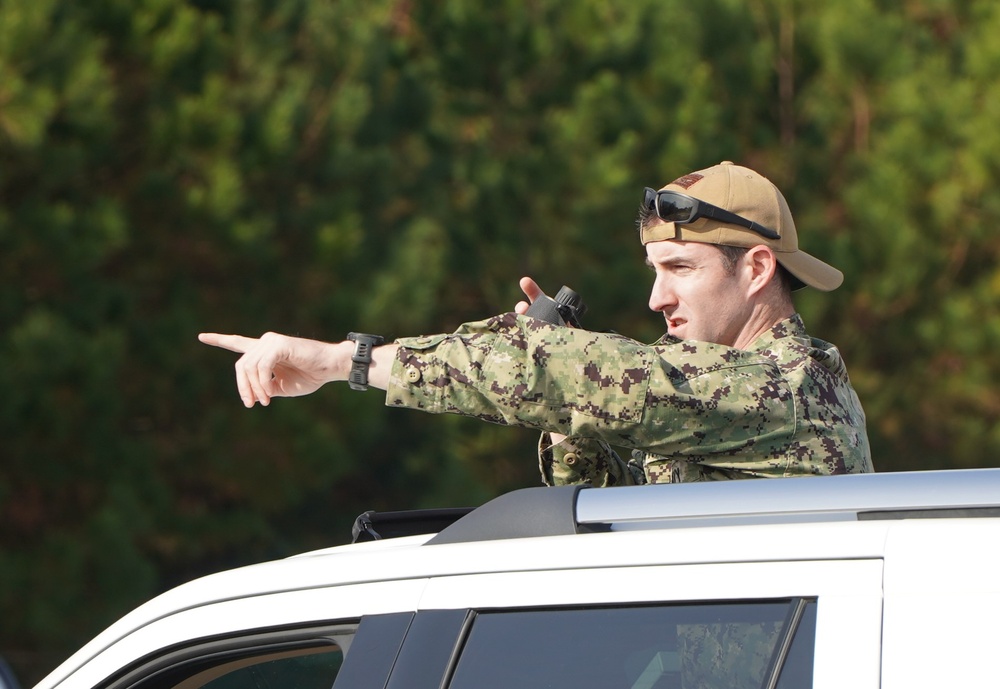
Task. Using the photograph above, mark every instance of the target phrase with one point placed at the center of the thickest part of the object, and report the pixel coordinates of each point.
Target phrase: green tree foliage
(313, 167)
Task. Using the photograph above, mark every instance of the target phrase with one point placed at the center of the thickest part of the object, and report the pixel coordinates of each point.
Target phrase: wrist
(361, 358)
(340, 367)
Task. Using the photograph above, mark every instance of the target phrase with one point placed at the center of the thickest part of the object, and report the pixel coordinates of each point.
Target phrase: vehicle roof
(571, 528)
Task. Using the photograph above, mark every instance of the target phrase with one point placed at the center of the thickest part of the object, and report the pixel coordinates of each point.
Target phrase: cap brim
(810, 270)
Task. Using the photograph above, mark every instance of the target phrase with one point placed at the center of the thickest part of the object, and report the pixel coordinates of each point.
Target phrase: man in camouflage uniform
(736, 388)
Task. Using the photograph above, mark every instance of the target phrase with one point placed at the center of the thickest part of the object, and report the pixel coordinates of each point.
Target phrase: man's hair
(731, 255)
(646, 218)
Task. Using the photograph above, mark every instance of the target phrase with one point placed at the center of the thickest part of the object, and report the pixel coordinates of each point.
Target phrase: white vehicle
(859, 581)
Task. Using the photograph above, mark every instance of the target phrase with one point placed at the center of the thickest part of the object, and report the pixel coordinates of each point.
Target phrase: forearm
(332, 361)
(339, 357)
(381, 366)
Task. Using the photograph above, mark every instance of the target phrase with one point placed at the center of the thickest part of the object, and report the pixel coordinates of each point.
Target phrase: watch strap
(364, 343)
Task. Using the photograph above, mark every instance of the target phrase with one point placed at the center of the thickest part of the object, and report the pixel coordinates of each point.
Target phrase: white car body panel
(903, 602)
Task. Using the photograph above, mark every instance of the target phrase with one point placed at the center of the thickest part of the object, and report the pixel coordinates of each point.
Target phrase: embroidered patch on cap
(687, 181)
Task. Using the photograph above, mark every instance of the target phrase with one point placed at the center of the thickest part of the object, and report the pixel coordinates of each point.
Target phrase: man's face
(698, 298)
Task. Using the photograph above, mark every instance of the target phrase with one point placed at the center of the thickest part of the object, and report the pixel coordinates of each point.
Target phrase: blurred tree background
(320, 166)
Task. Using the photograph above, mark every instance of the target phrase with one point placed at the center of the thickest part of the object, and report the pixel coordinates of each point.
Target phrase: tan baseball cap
(748, 194)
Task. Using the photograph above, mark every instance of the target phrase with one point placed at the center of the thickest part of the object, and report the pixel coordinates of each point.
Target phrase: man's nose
(661, 296)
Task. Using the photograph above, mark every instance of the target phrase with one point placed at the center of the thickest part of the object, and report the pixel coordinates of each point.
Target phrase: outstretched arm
(274, 365)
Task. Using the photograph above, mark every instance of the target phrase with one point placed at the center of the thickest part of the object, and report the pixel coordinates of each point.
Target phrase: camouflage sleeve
(584, 460)
(670, 399)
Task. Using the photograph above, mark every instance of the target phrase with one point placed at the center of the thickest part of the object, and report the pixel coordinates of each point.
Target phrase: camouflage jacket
(690, 411)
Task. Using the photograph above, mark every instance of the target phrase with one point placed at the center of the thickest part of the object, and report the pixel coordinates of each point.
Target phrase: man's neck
(763, 318)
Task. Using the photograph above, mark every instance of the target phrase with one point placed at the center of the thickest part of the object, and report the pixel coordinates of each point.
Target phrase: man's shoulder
(790, 346)
(716, 366)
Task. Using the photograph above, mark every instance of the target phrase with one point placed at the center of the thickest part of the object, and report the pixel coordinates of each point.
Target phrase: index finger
(234, 343)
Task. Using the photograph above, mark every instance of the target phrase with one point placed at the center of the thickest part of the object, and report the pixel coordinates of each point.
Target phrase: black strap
(362, 358)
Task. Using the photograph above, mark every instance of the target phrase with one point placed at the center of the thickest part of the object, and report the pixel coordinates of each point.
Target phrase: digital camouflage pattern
(726, 654)
(690, 411)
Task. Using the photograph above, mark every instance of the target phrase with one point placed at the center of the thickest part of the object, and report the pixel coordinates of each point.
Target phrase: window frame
(449, 637)
(848, 594)
(199, 655)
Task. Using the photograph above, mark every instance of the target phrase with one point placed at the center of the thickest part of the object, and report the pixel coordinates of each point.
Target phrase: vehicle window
(303, 669)
(700, 646)
(303, 658)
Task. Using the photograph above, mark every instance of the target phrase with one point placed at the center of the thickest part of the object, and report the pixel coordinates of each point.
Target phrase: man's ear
(762, 267)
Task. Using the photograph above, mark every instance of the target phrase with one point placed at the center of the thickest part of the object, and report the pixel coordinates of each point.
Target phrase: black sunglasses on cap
(671, 206)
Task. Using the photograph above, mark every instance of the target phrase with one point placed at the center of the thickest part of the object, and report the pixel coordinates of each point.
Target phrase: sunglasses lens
(674, 208)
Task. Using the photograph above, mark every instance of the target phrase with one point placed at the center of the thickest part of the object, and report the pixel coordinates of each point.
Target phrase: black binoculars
(565, 309)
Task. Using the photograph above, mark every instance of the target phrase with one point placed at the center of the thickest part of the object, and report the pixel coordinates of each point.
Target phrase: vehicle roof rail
(375, 526)
(852, 497)
(888, 495)
(522, 513)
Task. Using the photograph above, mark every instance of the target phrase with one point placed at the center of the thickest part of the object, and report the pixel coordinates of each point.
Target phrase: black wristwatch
(362, 358)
